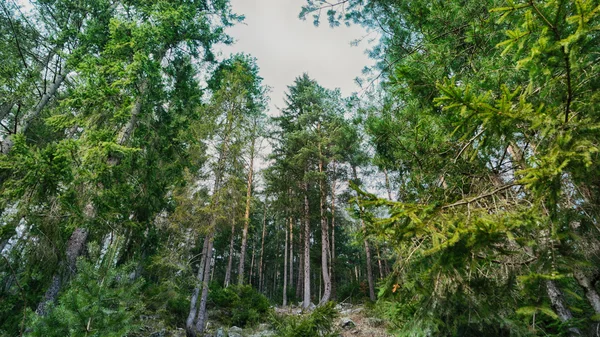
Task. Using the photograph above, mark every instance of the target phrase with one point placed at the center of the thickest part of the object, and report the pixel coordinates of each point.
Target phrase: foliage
(318, 323)
(102, 300)
(239, 305)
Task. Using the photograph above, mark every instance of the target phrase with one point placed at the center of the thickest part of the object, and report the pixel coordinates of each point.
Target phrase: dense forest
(145, 186)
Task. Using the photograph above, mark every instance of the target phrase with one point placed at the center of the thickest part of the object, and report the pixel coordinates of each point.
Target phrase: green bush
(239, 305)
(101, 301)
(317, 323)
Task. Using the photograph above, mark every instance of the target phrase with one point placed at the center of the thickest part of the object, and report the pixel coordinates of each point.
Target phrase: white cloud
(286, 46)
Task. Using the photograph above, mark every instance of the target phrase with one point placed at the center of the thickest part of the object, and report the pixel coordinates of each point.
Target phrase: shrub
(239, 305)
(101, 301)
(317, 323)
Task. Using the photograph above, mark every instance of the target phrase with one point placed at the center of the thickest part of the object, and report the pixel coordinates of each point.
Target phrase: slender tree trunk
(220, 170)
(559, 306)
(285, 266)
(324, 237)
(332, 261)
(262, 249)
(379, 264)
(252, 262)
(589, 289)
(247, 213)
(24, 122)
(78, 239)
(201, 317)
(230, 260)
(189, 323)
(306, 298)
(75, 247)
(367, 248)
(291, 265)
(300, 281)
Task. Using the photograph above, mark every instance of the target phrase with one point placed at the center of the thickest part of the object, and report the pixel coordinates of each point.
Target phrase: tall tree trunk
(366, 242)
(262, 249)
(219, 172)
(189, 323)
(332, 261)
(379, 264)
(306, 297)
(7, 143)
(285, 266)
(300, 280)
(559, 306)
(75, 247)
(247, 213)
(589, 289)
(291, 256)
(324, 237)
(230, 260)
(252, 262)
(78, 239)
(201, 317)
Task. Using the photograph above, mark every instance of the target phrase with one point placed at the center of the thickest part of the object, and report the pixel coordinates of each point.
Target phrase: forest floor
(363, 324)
(352, 321)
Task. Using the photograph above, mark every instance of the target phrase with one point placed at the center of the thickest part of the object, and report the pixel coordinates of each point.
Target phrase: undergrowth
(320, 322)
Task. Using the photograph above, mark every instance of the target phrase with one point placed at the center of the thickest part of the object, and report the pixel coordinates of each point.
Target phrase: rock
(343, 306)
(347, 323)
(356, 310)
(374, 322)
(220, 333)
(161, 333)
(235, 331)
(265, 333)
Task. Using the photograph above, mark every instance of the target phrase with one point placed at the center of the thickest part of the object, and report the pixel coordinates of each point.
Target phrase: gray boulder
(347, 323)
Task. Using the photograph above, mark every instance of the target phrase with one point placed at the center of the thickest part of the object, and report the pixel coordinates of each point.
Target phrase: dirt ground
(364, 326)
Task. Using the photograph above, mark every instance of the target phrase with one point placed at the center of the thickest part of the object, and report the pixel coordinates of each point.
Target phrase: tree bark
(291, 256)
(324, 238)
(230, 260)
(252, 262)
(332, 261)
(75, 247)
(247, 213)
(367, 248)
(306, 297)
(189, 323)
(201, 317)
(219, 171)
(588, 288)
(379, 264)
(559, 306)
(23, 124)
(285, 266)
(300, 280)
(262, 249)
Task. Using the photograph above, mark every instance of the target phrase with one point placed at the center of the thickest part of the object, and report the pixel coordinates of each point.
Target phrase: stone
(374, 322)
(236, 329)
(220, 333)
(347, 323)
(265, 333)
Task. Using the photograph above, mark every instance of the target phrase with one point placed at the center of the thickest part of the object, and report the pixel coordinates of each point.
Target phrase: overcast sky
(286, 46)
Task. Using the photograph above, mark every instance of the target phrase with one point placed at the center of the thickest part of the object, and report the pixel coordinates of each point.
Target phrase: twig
(466, 202)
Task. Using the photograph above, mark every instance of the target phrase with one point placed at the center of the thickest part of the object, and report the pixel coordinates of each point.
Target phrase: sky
(285, 47)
